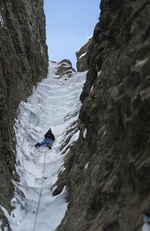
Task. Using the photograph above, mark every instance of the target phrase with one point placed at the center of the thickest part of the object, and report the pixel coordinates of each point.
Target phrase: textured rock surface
(65, 68)
(108, 171)
(82, 56)
(23, 62)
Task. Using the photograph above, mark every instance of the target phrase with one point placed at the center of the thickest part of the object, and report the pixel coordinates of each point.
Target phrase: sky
(35, 208)
(69, 23)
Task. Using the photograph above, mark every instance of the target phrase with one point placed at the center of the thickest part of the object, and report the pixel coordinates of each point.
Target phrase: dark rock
(113, 191)
(65, 68)
(82, 56)
(23, 62)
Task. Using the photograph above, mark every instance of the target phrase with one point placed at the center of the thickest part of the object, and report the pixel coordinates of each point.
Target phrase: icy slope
(54, 103)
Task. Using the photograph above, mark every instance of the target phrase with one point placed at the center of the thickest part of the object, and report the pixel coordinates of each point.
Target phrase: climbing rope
(37, 211)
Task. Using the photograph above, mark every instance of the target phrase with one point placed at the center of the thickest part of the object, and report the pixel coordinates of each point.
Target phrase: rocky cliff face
(23, 62)
(107, 171)
(65, 68)
(82, 56)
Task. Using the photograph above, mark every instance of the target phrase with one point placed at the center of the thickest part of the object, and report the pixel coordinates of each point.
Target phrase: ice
(54, 104)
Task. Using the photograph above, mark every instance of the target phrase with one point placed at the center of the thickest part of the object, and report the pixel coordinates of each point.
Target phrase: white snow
(82, 55)
(1, 21)
(91, 89)
(54, 103)
(86, 166)
(98, 73)
(146, 225)
(84, 133)
(64, 64)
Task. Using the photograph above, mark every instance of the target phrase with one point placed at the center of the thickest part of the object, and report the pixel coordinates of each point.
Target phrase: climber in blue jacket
(49, 139)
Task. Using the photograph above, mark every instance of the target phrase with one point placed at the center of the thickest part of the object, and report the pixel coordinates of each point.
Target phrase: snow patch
(91, 89)
(104, 133)
(82, 55)
(86, 166)
(64, 64)
(84, 133)
(1, 21)
(51, 101)
(98, 73)
(146, 219)
(146, 225)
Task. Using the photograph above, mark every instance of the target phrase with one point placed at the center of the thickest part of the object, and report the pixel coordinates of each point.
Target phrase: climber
(49, 139)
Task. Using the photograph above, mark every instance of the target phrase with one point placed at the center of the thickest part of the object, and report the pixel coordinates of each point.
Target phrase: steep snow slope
(54, 103)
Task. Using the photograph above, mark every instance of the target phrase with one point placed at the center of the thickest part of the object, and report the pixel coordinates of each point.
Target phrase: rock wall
(23, 62)
(107, 171)
(82, 56)
(65, 68)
